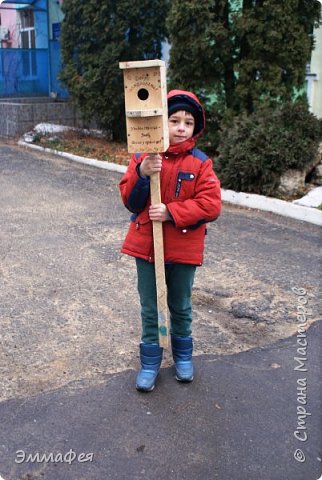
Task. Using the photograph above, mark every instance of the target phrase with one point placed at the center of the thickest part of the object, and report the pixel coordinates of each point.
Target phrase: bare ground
(68, 302)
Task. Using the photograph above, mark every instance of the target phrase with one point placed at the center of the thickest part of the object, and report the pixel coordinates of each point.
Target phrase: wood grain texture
(163, 320)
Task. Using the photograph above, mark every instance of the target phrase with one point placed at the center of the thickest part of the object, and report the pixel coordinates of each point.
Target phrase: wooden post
(147, 131)
(163, 322)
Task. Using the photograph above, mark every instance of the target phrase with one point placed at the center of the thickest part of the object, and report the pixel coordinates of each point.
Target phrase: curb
(274, 205)
(249, 200)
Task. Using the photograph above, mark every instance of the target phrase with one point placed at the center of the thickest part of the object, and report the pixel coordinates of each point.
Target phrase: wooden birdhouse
(146, 106)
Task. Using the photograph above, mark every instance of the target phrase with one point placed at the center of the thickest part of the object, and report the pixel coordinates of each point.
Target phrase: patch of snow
(29, 137)
(51, 128)
(311, 199)
(46, 128)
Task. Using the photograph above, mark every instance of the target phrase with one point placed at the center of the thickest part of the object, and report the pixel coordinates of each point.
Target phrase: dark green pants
(179, 280)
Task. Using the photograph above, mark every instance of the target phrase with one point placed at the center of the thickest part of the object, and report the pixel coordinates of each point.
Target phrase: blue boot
(182, 355)
(151, 358)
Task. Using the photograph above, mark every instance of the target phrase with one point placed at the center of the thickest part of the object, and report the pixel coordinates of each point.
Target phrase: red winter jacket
(190, 190)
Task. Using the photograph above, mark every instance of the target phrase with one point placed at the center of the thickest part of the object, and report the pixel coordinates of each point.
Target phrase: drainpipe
(49, 52)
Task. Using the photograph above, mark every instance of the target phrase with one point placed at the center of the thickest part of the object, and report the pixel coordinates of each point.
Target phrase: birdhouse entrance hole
(143, 94)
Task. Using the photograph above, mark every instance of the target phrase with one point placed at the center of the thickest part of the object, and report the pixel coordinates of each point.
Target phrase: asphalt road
(70, 328)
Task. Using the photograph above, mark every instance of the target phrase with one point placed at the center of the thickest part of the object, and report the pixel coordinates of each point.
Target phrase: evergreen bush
(255, 150)
(96, 36)
(244, 53)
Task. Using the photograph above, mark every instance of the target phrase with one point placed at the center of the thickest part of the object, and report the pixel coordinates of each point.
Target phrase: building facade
(314, 76)
(30, 48)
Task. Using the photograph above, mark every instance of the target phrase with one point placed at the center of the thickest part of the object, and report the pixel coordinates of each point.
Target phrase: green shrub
(256, 149)
(210, 138)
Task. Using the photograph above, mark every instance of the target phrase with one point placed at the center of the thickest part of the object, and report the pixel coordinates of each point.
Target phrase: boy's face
(181, 126)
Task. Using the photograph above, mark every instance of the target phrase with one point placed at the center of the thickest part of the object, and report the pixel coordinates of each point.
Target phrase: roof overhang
(14, 5)
(21, 2)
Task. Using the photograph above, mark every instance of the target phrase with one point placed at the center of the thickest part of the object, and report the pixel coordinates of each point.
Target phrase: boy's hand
(150, 165)
(159, 213)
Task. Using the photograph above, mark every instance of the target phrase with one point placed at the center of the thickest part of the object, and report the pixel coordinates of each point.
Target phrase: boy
(190, 194)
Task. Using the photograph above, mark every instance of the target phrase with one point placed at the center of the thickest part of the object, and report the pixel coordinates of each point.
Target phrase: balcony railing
(23, 71)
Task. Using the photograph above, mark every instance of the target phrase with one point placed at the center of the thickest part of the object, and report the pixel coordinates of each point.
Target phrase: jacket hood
(184, 100)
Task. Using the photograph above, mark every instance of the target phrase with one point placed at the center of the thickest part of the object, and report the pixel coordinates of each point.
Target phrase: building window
(28, 42)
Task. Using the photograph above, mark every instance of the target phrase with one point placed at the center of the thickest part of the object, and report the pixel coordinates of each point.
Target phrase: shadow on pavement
(235, 421)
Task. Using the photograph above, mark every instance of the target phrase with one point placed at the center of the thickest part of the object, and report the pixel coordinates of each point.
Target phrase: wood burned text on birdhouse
(146, 106)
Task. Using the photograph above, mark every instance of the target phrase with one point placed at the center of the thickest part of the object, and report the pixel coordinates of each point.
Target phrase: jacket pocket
(143, 221)
(182, 178)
